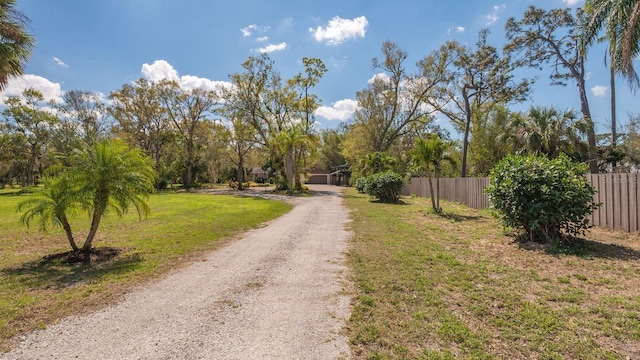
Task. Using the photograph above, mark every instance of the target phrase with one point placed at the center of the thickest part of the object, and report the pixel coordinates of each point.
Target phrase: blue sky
(99, 45)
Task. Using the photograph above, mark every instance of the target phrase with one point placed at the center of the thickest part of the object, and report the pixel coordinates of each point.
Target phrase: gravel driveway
(275, 293)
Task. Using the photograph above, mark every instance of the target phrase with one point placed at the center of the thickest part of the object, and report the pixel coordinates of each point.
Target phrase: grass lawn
(37, 288)
(456, 287)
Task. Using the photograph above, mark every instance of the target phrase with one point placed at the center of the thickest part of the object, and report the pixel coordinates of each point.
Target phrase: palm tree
(15, 43)
(620, 20)
(50, 205)
(290, 141)
(111, 176)
(429, 156)
(548, 131)
(106, 176)
(376, 162)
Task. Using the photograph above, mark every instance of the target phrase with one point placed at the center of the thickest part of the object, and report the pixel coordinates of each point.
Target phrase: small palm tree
(15, 44)
(106, 176)
(429, 155)
(111, 176)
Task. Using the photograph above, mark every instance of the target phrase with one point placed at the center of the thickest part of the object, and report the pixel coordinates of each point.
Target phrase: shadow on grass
(582, 248)
(68, 269)
(451, 216)
(458, 217)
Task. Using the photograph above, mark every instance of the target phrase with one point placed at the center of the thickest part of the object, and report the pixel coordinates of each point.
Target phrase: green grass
(456, 287)
(180, 227)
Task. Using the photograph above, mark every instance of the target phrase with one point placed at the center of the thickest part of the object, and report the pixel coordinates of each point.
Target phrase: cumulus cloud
(16, 85)
(378, 77)
(338, 30)
(161, 70)
(494, 15)
(250, 29)
(273, 47)
(190, 82)
(60, 62)
(599, 90)
(262, 38)
(340, 110)
(458, 29)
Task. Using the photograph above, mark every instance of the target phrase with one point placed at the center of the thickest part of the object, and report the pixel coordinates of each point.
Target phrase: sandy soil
(275, 293)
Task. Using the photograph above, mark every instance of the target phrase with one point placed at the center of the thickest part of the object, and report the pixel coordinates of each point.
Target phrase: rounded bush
(384, 186)
(546, 198)
(359, 184)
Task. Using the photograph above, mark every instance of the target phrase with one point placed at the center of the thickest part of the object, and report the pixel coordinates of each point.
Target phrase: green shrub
(359, 184)
(548, 199)
(384, 186)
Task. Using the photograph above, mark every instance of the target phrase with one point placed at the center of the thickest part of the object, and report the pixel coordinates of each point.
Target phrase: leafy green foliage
(359, 184)
(384, 186)
(547, 198)
(108, 176)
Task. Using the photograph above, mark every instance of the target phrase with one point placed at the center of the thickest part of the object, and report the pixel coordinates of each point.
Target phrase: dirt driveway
(275, 293)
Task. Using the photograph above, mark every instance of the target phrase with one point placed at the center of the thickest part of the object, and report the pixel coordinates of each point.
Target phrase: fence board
(623, 223)
(618, 193)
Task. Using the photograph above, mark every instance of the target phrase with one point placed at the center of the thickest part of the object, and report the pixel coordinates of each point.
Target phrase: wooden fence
(619, 195)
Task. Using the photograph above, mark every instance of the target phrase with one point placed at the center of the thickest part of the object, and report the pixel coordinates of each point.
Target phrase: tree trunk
(614, 135)
(67, 229)
(95, 222)
(591, 134)
(31, 166)
(439, 210)
(289, 169)
(433, 195)
(465, 140)
(188, 178)
(240, 172)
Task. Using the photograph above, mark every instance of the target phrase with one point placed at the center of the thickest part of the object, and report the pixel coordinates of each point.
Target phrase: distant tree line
(264, 121)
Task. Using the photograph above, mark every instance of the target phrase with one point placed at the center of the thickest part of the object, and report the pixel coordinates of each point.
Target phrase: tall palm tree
(15, 42)
(429, 156)
(620, 20)
(290, 141)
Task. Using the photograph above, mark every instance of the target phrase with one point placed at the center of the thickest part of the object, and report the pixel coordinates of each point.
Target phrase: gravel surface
(275, 293)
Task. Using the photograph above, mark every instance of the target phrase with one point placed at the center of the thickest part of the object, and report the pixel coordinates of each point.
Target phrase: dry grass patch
(455, 286)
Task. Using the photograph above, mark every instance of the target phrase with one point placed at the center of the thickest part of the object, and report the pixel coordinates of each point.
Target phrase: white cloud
(262, 38)
(161, 69)
(16, 85)
(599, 90)
(588, 75)
(273, 47)
(494, 15)
(339, 110)
(459, 29)
(379, 76)
(60, 62)
(339, 30)
(571, 2)
(249, 30)
(190, 82)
